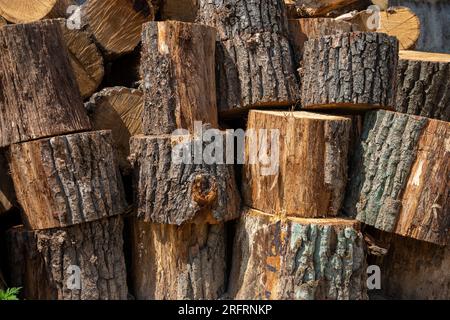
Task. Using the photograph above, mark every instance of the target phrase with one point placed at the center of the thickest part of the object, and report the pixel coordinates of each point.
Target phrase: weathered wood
(402, 23)
(171, 262)
(307, 173)
(181, 10)
(171, 191)
(120, 110)
(7, 195)
(116, 24)
(67, 180)
(349, 71)
(301, 30)
(23, 11)
(398, 182)
(321, 8)
(39, 96)
(44, 262)
(414, 269)
(296, 258)
(85, 58)
(178, 72)
(424, 84)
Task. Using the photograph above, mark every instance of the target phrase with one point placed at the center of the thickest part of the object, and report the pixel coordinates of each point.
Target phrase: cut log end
(402, 23)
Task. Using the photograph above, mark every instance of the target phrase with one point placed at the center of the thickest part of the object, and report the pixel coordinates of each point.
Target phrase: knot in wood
(204, 190)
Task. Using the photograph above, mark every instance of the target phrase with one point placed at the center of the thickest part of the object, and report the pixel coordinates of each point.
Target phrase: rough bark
(120, 110)
(304, 259)
(178, 72)
(116, 24)
(85, 58)
(181, 10)
(171, 262)
(174, 186)
(40, 97)
(42, 262)
(301, 30)
(320, 8)
(397, 182)
(402, 23)
(309, 156)
(349, 71)
(7, 195)
(424, 84)
(255, 71)
(235, 18)
(24, 11)
(67, 180)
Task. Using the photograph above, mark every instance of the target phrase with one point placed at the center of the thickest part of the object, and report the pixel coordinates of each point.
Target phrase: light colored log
(25, 11)
(402, 23)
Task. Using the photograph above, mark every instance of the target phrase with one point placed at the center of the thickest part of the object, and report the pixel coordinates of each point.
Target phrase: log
(85, 58)
(180, 10)
(44, 262)
(310, 157)
(297, 259)
(291, 9)
(397, 182)
(178, 72)
(120, 110)
(414, 270)
(67, 180)
(178, 263)
(322, 8)
(402, 23)
(25, 11)
(39, 96)
(351, 71)
(116, 25)
(7, 195)
(424, 84)
(301, 30)
(176, 192)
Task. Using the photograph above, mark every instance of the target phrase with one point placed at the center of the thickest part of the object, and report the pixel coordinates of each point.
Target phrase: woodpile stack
(221, 149)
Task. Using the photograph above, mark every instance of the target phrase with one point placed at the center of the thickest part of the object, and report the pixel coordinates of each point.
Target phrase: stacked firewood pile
(345, 161)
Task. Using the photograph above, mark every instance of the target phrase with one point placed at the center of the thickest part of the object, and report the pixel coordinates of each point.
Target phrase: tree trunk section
(43, 262)
(178, 72)
(309, 156)
(67, 180)
(184, 188)
(178, 263)
(7, 195)
(402, 23)
(322, 8)
(40, 97)
(397, 182)
(180, 10)
(297, 259)
(116, 24)
(349, 71)
(25, 11)
(120, 110)
(424, 84)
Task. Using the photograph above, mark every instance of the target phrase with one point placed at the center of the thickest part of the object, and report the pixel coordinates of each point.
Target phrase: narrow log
(301, 259)
(7, 195)
(424, 84)
(171, 262)
(332, 8)
(179, 81)
(85, 58)
(39, 96)
(24, 11)
(309, 156)
(174, 186)
(67, 180)
(116, 24)
(397, 182)
(402, 23)
(349, 71)
(46, 263)
(120, 110)
(180, 10)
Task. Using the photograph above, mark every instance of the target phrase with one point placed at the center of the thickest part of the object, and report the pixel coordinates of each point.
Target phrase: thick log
(174, 190)
(397, 182)
(116, 24)
(67, 180)
(178, 72)
(24, 11)
(304, 259)
(322, 8)
(349, 71)
(402, 23)
(301, 30)
(85, 58)
(414, 270)
(309, 156)
(46, 263)
(120, 110)
(7, 195)
(40, 97)
(180, 10)
(424, 84)
(171, 262)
